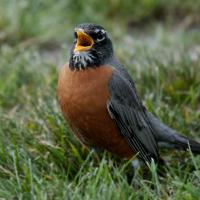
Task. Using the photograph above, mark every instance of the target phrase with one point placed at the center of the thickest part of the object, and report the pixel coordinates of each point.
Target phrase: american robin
(99, 100)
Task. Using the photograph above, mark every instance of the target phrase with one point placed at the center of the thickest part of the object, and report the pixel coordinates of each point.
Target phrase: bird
(99, 101)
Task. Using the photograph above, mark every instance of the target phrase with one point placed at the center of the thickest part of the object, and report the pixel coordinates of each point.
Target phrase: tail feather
(194, 146)
(169, 138)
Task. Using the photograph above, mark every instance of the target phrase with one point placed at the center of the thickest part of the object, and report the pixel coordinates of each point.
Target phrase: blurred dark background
(48, 21)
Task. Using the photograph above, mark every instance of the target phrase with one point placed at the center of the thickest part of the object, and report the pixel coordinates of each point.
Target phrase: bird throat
(82, 60)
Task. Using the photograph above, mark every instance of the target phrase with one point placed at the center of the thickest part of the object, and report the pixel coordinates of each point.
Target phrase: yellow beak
(84, 41)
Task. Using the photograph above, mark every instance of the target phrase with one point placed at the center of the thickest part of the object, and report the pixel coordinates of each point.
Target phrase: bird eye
(100, 36)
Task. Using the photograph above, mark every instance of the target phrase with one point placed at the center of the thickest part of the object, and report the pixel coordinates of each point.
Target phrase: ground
(39, 156)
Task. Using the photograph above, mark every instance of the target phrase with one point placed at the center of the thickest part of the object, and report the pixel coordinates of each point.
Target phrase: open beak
(84, 41)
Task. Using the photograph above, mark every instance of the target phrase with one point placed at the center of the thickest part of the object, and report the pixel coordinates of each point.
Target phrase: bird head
(91, 48)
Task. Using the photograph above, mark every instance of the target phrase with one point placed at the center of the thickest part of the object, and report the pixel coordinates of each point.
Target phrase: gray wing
(131, 117)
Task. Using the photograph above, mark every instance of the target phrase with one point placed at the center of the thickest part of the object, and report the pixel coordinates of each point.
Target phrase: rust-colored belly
(83, 96)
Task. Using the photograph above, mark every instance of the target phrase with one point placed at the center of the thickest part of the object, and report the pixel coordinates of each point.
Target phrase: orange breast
(83, 96)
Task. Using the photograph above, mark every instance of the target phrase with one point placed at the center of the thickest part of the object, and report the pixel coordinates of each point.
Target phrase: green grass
(39, 156)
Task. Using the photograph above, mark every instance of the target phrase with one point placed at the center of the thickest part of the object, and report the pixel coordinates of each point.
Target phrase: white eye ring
(102, 34)
(100, 39)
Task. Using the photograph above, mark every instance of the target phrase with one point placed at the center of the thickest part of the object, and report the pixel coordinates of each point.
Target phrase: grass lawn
(39, 156)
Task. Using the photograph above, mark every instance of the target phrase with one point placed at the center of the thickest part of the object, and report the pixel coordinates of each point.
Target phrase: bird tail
(169, 138)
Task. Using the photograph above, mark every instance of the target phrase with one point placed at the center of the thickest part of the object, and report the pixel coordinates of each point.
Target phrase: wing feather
(130, 115)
